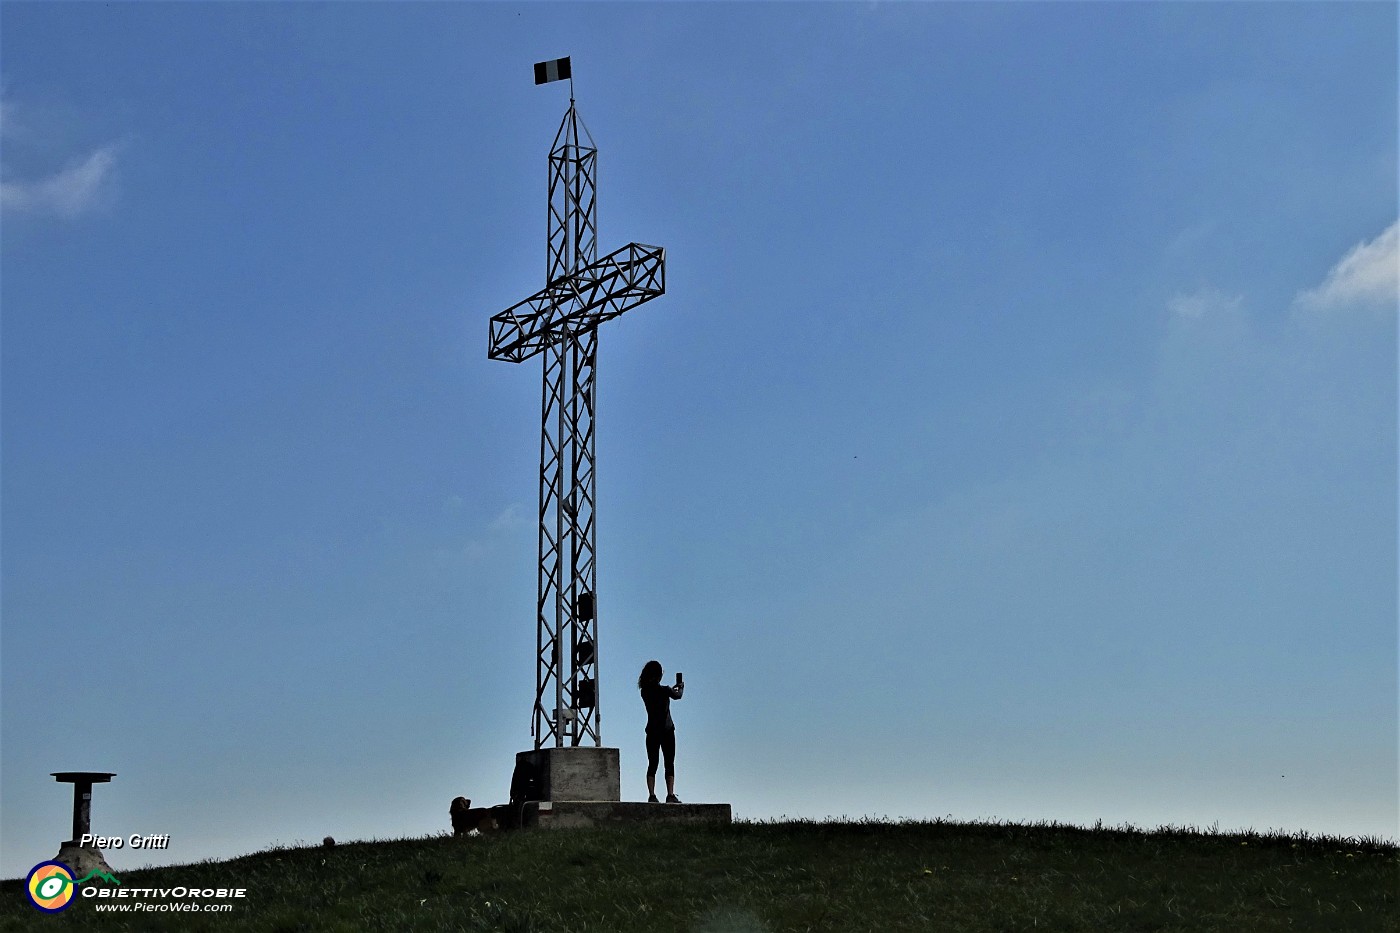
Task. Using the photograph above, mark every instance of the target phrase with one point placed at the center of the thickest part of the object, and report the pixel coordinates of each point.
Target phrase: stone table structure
(82, 859)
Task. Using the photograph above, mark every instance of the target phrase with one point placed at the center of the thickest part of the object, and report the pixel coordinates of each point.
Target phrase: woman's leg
(668, 748)
(653, 748)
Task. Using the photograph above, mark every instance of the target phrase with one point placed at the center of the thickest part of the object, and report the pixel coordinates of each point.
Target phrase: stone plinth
(574, 773)
(581, 814)
(82, 860)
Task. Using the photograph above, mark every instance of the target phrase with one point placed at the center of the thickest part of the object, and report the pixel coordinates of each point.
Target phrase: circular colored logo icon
(50, 886)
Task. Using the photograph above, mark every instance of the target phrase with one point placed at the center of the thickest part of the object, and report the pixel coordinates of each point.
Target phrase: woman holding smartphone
(661, 731)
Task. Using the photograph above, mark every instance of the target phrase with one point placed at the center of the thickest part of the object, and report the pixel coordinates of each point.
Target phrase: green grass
(784, 876)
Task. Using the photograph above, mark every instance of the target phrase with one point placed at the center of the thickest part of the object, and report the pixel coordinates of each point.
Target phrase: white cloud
(85, 183)
(508, 520)
(68, 193)
(1205, 301)
(1368, 276)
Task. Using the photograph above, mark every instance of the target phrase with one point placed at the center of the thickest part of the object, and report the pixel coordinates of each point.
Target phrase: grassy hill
(776, 877)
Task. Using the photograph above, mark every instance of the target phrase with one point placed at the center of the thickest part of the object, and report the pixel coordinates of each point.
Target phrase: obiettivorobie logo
(50, 885)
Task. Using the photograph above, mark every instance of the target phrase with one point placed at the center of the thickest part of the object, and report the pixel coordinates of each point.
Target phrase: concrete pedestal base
(580, 814)
(82, 860)
(574, 773)
(579, 787)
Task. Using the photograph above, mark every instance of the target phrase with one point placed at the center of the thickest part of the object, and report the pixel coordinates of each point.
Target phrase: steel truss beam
(579, 301)
(560, 322)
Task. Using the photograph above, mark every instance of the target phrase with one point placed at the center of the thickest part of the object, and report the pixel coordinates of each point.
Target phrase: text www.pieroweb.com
(186, 900)
(184, 908)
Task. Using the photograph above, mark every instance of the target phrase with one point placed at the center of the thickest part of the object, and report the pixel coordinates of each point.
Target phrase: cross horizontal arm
(578, 302)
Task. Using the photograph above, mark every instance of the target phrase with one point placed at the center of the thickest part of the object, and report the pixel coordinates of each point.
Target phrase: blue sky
(1016, 439)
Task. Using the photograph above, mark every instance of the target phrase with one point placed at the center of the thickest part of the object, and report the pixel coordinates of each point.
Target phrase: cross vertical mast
(560, 322)
(568, 655)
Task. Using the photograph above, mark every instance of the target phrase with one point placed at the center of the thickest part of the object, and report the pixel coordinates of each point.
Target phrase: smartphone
(680, 678)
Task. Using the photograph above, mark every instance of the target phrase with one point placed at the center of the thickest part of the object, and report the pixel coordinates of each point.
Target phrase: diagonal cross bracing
(560, 323)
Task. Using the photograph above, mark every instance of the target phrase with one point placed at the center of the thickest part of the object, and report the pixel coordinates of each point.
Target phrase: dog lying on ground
(466, 818)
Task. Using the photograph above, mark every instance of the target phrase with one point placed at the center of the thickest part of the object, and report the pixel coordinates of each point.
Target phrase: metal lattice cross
(561, 322)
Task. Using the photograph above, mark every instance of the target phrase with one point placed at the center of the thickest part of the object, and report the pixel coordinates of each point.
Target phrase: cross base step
(582, 814)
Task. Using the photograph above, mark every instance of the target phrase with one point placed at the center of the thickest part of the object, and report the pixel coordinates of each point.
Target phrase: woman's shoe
(672, 798)
(652, 799)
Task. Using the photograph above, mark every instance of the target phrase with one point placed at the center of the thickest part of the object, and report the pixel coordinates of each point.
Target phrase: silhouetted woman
(661, 731)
